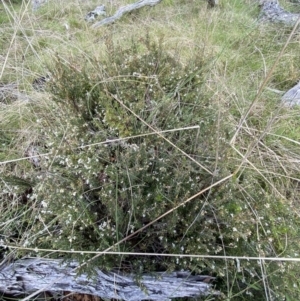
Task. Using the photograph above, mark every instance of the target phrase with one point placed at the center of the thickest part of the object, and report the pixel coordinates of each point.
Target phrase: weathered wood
(272, 11)
(30, 275)
(98, 11)
(11, 92)
(292, 97)
(126, 9)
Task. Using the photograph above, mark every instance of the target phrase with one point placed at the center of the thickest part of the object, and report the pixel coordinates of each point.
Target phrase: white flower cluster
(107, 228)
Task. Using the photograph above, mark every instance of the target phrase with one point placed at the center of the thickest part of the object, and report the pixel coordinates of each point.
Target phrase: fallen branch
(292, 97)
(29, 275)
(272, 11)
(126, 9)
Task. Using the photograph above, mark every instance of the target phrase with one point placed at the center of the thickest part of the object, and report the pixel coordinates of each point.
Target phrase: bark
(126, 9)
(30, 275)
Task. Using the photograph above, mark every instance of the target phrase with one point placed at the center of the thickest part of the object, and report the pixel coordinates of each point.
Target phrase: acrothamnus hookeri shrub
(107, 172)
(113, 187)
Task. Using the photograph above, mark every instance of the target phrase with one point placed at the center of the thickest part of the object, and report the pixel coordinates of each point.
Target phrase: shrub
(112, 189)
(104, 177)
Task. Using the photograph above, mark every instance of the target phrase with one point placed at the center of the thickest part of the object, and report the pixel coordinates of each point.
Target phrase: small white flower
(44, 204)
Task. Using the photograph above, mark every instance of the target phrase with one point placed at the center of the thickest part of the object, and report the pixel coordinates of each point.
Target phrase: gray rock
(213, 3)
(37, 3)
(39, 83)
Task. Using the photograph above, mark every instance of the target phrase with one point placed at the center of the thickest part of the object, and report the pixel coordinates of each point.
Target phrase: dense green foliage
(114, 188)
(132, 132)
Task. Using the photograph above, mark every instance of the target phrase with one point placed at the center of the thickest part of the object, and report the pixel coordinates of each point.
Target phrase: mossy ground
(172, 66)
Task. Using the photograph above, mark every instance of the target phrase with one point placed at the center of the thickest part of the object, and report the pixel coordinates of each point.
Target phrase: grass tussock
(158, 117)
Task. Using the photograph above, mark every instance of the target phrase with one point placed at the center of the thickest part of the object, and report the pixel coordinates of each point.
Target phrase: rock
(213, 3)
(39, 83)
(37, 3)
(33, 155)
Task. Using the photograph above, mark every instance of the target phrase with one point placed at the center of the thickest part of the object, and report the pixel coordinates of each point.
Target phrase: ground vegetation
(163, 133)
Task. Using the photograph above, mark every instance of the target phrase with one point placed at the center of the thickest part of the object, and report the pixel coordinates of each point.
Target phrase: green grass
(171, 66)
